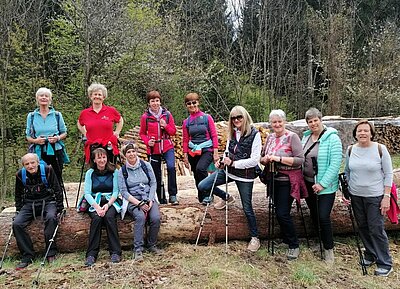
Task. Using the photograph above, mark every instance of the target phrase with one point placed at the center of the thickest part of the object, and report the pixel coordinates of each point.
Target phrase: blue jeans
(245, 191)
(155, 161)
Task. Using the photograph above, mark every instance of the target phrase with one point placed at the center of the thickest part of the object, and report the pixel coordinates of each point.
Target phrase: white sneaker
(329, 256)
(222, 203)
(254, 244)
(293, 254)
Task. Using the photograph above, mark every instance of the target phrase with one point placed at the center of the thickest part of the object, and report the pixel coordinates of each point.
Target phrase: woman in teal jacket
(323, 155)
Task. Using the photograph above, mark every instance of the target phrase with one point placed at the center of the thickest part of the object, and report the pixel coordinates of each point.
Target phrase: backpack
(32, 128)
(42, 175)
(379, 150)
(167, 115)
(125, 173)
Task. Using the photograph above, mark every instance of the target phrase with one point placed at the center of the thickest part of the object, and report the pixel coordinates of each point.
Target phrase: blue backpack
(42, 167)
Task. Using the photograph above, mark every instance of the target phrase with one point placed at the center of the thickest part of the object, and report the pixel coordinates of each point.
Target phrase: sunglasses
(194, 102)
(238, 117)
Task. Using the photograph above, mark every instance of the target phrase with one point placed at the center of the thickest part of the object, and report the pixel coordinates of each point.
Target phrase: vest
(198, 129)
(102, 183)
(240, 150)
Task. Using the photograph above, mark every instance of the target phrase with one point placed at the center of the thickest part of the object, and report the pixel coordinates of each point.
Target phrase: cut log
(182, 223)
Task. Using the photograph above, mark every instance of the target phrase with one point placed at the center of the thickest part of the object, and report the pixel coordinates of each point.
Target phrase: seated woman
(138, 187)
(101, 192)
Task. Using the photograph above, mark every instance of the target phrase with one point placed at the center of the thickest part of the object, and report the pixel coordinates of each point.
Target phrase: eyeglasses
(194, 102)
(238, 117)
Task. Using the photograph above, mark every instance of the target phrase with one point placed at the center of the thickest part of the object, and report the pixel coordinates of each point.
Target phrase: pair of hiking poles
(208, 204)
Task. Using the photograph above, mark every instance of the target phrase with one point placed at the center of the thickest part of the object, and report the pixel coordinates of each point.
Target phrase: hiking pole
(80, 181)
(61, 180)
(161, 196)
(205, 212)
(6, 247)
(271, 210)
(303, 221)
(346, 194)
(51, 241)
(315, 168)
(226, 205)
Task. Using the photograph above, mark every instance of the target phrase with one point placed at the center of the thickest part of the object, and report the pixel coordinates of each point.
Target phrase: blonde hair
(246, 122)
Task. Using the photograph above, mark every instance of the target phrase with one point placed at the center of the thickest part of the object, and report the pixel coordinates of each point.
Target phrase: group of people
(295, 169)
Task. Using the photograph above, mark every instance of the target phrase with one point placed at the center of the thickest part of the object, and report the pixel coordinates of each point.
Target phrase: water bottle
(109, 146)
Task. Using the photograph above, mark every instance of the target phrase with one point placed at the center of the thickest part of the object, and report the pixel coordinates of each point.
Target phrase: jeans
(140, 219)
(283, 205)
(325, 204)
(110, 222)
(24, 218)
(372, 230)
(199, 165)
(245, 191)
(156, 161)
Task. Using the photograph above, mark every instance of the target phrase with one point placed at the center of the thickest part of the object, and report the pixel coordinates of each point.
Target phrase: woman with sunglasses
(200, 142)
(242, 155)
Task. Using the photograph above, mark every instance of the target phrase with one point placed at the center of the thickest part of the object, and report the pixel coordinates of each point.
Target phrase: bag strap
(42, 175)
(313, 145)
(145, 170)
(125, 173)
(379, 150)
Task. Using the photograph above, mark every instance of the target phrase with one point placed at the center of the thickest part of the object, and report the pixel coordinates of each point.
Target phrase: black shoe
(163, 201)
(90, 260)
(173, 200)
(115, 258)
(22, 265)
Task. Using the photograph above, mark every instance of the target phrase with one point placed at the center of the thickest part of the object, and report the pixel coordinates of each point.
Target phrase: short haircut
(46, 91)
(95, 87)
(192, 96)
(364, 121)
(29, 155)
(277, 112)
(313, 113)
(152, 95)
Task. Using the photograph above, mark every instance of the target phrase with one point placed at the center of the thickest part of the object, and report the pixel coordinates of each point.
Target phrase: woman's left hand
(385, 205)
(53, 139)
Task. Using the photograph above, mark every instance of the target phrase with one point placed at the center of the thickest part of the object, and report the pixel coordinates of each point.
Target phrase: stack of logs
(222, 129)
(388, 135)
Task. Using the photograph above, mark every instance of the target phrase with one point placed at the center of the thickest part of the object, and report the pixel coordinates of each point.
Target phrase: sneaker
(254, 244)
(221, 203)
(115, 258)
(90, 260)
(293, 254)
(207, 200)
(367, 263)
(383, 272)
(22, 265)
(173, 200)
(51, 259)
(155, 250)
(329, 256)
(138, 256)
(163, 202)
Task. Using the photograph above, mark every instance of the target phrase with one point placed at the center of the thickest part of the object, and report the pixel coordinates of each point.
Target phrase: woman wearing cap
(96, 123)
(321, 144)
(200, 142)
(137, 185)
(45, 131)
(156, 128)
(242, 152)
(369, 173)
(101, 193)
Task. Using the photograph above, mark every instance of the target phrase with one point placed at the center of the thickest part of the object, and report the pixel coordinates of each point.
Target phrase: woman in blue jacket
(322, 144)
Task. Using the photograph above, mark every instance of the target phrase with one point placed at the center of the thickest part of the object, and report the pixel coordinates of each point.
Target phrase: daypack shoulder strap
(42, 175)
(144, 168)
(379, 150)
(125, 174)
(31, 127)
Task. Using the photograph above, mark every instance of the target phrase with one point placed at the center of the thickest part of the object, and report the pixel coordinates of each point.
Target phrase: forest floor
(183, 265)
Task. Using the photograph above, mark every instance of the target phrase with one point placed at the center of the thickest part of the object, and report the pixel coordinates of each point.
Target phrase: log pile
(389, 135)
(222, 128)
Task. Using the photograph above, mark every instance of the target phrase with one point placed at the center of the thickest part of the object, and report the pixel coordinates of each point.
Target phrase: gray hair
(95, 87)
(45, 91)
(277, 112)
(29, 155)
(313, 113)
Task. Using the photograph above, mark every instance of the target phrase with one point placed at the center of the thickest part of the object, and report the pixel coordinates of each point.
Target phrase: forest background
(341, 56)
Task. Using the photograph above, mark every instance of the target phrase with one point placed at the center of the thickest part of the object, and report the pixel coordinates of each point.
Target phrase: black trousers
(199, 165)
(110, 222)
(25, 217)
(57, 163)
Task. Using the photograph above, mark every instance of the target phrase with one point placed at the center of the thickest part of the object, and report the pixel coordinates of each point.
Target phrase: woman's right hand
(41, 140)
(185, 161)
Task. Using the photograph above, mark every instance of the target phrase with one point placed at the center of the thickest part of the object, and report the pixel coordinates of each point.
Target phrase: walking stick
(205, 212)
(62, 181)
(271, 210)
(80, 181)
(51, 241)
(226, 205)
(346, 194)
(6, 247)
(162, 198)
(315, 168)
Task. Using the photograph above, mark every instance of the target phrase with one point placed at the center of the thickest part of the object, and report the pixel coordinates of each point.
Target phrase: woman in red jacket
(156, 128)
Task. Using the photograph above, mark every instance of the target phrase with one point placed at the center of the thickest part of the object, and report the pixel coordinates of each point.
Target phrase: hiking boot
(293, 254)
(155, 250)
(163, 202)
(22, 265)
(207, 200)
(115, 258)
(367, 263)
(254, 244)
(173, 200)
(90, 260)
(51, 259)
(329, 256)
(383, 272)
(221, 203)
(138, 256)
